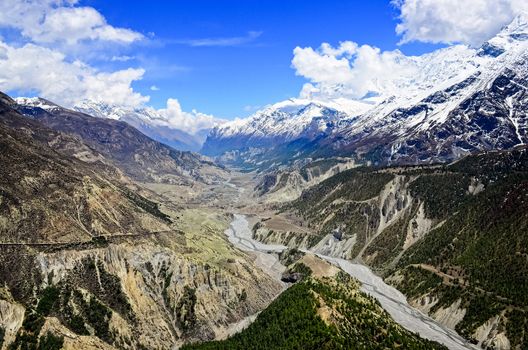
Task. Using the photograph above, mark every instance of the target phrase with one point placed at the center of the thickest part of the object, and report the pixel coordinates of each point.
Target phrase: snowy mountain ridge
(36, 102)
(149, 121)
(413, 119)
(146, 119)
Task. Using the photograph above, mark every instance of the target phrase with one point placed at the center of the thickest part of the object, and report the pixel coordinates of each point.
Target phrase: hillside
(323, 311)
(87, 261)
(47, 197)
(452, 237)
(137, 155)
(287, 184)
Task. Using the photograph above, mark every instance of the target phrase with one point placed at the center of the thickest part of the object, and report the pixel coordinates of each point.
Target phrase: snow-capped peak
(519, 25)
(511, 35)
(36, 102)
(290, 117)
(102, 110)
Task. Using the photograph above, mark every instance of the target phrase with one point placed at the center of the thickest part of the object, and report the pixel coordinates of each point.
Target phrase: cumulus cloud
(54, 21)
(37, 61)
(191, 122)
(349, 70)
(47, 72)
(453, 21)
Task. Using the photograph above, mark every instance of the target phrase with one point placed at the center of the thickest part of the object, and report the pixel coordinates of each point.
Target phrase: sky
(223, 59)
(231, 79)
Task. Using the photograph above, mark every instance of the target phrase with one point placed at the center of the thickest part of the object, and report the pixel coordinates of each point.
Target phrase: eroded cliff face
(488, 335)
(11, 317)
(155, 292)
(287, 185)
(345, 227)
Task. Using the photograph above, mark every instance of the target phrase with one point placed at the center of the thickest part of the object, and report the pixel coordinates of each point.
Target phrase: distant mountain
(278, 124)
(459, 100)
(148, 121)
(136, 154)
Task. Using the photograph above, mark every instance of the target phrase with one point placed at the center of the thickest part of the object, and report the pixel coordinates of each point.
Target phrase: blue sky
(229, 81)
(199, 60)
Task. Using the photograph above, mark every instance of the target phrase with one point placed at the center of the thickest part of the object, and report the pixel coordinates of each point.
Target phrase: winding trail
(393, 301)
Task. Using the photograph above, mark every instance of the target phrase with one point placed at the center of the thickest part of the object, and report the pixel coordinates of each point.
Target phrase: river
(393, 301)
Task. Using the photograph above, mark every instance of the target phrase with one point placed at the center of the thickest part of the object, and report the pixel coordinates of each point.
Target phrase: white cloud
(346, 48)
(47, 72)
(454, 21)
(154, 88)
(121, 58)
(38, 61)
(59, 21)
(349, 70)
(191, 122)
(231, 41)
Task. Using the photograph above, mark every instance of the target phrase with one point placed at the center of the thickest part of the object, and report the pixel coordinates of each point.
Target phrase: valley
(394, 219)
(130, 244)
(390, 299)
(240, 198)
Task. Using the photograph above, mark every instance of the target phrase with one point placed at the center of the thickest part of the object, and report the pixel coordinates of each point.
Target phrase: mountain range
(139, 156)
(149, 121)
(458, 100)
(115, 233)
(448, 103)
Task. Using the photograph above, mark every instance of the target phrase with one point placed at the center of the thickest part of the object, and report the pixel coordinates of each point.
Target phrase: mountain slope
(485, 111)
(76, 200)
(137, 155)
(452, 237)
(323, 312)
